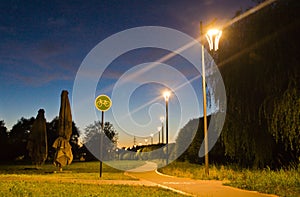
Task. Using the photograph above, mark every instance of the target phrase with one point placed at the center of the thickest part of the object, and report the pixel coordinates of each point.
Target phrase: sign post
(102, 103)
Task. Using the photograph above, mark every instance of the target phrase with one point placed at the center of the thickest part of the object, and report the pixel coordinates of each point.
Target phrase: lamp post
(151, 135)
(162, 118)
(213, 37)
(158, 129)
(167, 96)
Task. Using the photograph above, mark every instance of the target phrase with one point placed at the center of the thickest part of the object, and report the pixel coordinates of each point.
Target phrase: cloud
(37, 63)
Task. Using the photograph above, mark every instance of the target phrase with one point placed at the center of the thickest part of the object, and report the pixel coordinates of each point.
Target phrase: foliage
(92, 138)
(280, 182)
(3, 140)
(192, 133)
(283, 119)
(259, 63)
(184, 138)
(93, 129)
(18, 137)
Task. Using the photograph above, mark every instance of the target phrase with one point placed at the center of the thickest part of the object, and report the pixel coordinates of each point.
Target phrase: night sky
(43, 43)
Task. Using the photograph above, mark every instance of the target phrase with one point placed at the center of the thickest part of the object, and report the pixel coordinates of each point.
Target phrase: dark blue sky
(44, 42)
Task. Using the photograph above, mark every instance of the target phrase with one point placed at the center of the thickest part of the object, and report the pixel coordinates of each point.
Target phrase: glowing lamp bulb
(213, 37)
(167, 95)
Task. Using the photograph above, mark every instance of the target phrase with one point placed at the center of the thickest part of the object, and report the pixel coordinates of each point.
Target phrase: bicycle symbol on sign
(103, 103)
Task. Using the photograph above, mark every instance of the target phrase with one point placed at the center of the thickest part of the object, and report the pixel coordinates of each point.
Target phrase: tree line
(13, 143)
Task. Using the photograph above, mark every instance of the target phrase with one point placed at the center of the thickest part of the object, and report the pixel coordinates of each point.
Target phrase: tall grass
(281, 182)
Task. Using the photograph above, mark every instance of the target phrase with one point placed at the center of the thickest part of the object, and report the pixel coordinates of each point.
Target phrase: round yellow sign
(103, 102)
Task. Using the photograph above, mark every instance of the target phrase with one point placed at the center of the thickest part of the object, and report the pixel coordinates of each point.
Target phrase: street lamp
(162, 118)
(213, 36)
(166, 95)
(151, 135)
(159, 129)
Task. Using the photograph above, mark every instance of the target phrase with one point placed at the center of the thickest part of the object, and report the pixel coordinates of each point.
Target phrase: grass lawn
(78, 179)
(282, 182)
(44, 188)
(77, 170)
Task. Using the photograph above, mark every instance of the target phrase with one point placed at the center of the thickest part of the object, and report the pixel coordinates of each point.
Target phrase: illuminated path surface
(189, 186)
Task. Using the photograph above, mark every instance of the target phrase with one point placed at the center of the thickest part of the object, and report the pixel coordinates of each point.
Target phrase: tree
(190, 138)
(18, 138)
(3, 141)
(185, 138)
(92, 138)
(283, 123)
(260, 69)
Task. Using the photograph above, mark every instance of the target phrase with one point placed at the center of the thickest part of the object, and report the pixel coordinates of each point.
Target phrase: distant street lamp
(151, 135)
(117, 151)
(162, 118)
(159, 129)
(213, 36)
(146, 141)
(167, 96)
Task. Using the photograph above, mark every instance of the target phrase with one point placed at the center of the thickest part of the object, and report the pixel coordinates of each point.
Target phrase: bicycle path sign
(103, 102)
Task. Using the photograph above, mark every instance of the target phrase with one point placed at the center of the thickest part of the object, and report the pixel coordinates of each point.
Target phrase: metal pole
(204, 104)
(167, 130)
(152, 140)
(101, 142)
(158, 137)
(162, 132)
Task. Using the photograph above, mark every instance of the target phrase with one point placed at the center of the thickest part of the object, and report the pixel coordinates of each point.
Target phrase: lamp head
(167, 95)
(213, 32)
(213, 37)
(162, 118)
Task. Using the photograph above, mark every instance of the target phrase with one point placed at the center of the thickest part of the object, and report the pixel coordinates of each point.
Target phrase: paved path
(189, 186)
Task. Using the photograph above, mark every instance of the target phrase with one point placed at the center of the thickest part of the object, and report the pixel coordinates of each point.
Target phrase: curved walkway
(189, 186)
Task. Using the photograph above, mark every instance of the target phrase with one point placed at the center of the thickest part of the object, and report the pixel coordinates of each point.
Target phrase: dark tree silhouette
(259, 62)
(3, 141)
(18, 138)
